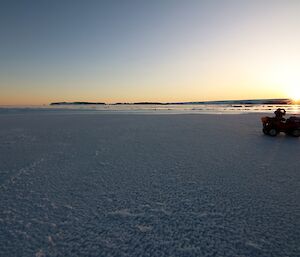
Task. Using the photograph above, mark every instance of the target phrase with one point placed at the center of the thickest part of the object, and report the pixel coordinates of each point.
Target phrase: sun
(294, 93)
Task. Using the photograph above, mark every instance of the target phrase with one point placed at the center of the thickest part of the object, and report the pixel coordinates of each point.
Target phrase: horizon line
(154, 102)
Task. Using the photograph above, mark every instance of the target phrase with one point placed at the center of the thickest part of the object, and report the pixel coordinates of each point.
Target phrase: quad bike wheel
(273, 132)
(295, 133)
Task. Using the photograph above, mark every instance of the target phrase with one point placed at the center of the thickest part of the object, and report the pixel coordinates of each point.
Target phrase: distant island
(230, 102)
(250, 102)
(76, 103)
(143, 103)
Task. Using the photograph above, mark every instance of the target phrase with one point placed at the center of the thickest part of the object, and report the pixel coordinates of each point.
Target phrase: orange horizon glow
(38, 101)
(190, 91)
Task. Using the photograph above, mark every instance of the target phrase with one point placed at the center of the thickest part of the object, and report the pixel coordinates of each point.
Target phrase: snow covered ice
(92, 184)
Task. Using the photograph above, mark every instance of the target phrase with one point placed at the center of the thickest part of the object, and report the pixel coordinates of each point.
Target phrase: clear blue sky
(151, 50)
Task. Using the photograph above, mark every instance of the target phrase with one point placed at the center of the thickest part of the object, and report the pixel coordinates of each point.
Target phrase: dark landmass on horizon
(233, 102)
(76, 103)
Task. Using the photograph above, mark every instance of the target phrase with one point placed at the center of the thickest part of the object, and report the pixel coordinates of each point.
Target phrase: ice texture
(146, 185)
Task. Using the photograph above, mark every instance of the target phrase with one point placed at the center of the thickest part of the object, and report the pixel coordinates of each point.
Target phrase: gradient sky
(155, 50)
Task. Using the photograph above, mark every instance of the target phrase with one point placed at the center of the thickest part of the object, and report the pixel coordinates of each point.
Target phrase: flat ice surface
(76, 184)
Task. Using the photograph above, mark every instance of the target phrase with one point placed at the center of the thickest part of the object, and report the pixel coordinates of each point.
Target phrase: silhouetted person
(279, 113)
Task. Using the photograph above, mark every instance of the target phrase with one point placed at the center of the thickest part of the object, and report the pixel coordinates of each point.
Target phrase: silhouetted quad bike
(272, 126)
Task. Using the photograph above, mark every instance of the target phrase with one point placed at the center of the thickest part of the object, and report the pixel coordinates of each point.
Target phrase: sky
(155, 50)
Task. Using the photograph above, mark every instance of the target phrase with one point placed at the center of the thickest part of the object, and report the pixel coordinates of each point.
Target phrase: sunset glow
(167, 51)
(294, 92)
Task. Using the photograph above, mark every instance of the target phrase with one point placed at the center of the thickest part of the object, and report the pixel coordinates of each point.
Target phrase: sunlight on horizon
(295, 93)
